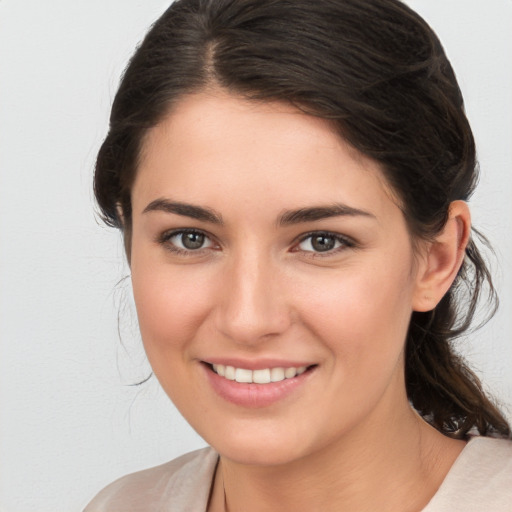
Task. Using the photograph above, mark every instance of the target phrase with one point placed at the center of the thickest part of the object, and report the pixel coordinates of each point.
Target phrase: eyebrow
(184, 209)
(314, 213)
(287, 218)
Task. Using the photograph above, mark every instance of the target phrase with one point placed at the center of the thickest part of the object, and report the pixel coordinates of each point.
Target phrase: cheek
(363, 316)
(171, 310)
(171, 307)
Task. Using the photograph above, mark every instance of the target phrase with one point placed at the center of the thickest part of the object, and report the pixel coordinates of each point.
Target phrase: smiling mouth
(263, 376)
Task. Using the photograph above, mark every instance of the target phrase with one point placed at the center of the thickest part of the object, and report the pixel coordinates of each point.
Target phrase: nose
(253, 305)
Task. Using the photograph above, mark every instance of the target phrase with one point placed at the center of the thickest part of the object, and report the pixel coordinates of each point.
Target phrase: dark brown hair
(377, 71)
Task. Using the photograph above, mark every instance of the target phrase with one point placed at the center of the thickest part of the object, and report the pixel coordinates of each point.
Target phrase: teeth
(229, 372)
(264, 376)
(276, 374)
(261, 376)
(290, 372)
(242, 375)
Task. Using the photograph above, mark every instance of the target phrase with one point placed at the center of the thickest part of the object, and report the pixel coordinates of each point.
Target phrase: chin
(261, 454)
(263, 444)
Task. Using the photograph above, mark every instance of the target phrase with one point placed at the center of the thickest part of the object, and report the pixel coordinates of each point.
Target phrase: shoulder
(480, 479)
(184, 483)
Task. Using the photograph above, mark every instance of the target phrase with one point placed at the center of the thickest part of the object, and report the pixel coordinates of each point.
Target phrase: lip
(254, 396)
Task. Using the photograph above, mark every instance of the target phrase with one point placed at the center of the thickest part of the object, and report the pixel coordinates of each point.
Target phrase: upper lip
(257, 364)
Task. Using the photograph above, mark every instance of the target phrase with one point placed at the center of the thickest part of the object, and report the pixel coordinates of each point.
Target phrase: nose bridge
(253, 306)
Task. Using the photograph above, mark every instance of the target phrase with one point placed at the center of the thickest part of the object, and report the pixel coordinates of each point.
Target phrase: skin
(347, 438)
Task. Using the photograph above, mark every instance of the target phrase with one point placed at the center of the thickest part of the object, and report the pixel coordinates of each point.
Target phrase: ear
(442, 258)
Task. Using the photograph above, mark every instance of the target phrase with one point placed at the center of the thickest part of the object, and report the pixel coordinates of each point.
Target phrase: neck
(397, 468)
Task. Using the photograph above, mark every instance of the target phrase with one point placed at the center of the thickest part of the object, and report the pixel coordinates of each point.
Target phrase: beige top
(480, 480)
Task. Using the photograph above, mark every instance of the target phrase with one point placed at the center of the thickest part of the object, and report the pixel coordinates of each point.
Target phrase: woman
(290, 179)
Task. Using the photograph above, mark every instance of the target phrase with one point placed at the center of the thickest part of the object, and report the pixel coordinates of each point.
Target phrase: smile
(263, 385)
(263, 376)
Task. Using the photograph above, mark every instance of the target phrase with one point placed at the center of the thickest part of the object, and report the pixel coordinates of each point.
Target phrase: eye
(322, 242)
(186, 240)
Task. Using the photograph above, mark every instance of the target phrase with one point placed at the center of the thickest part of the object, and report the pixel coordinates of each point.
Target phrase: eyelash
(343, 241)
(165, 240)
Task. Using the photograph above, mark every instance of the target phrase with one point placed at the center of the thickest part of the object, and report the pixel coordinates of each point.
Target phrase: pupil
(323, 243)
(192, 240)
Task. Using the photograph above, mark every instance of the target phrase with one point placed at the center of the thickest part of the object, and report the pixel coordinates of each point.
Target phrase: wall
(70, 421)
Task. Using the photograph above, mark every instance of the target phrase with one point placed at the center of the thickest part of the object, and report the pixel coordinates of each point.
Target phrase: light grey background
(70, 423)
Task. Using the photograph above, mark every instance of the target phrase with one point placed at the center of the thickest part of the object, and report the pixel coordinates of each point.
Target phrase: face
(268, 251)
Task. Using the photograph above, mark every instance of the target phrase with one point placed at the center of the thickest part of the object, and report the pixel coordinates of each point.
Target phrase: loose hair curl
(379, 74)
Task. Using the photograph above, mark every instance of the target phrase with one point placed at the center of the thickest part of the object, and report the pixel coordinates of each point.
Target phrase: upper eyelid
(164, 239)
(338, 236)
(165, 235)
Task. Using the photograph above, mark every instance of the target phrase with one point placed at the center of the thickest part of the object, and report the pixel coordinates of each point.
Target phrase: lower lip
(254, 395)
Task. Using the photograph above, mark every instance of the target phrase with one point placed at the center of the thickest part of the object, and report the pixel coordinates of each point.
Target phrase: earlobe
(443, 258)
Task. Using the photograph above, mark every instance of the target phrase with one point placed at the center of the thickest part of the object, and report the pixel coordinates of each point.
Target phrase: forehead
(214, 146)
